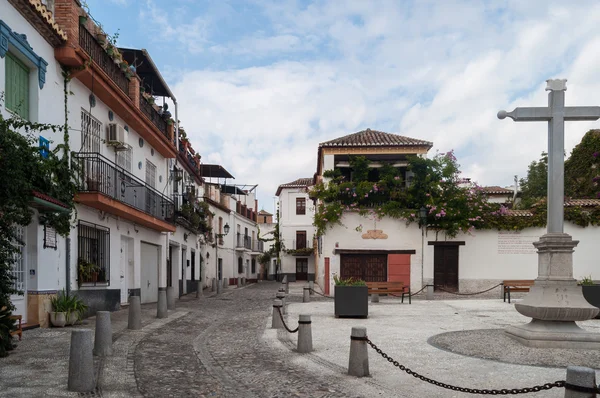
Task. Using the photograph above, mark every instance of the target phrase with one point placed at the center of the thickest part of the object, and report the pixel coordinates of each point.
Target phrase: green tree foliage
(24, 170)
(582, 169)
(534, 187)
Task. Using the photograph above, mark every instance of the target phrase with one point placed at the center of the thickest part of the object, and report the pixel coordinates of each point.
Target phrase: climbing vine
(453, 204)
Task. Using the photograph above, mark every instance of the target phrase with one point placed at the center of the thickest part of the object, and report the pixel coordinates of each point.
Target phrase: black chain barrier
(468, 294)
(283, 321)
(410, 295)
(321, 294)
(504, 391)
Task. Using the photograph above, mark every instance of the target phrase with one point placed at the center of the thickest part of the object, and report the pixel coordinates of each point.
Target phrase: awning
(44, 202)
(152, 80)
(214, 171)
(232, 189)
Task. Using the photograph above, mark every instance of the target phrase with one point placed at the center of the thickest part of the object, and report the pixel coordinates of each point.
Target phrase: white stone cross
(556, 113)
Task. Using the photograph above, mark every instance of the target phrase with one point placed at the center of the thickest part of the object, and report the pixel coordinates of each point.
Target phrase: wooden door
(399, 268)
(301, 269)
(368, 267)
(445, 267)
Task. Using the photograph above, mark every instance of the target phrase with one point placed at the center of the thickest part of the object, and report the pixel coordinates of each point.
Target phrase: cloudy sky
(261, 83)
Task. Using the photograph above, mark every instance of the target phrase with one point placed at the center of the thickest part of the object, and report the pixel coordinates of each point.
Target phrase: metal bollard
(311, 286)
(81, 361)
(429, 292)
(358, 364)
(306, 295)
(281, 296)
(276, 322)
(171, 297)
(103, 335)
(374, 298)
(581, 377)
(304, 334)
(134, 320)
(199, 291)
(162, 307)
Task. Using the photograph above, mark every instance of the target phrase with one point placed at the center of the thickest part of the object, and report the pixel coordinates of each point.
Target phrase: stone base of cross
(555, 301)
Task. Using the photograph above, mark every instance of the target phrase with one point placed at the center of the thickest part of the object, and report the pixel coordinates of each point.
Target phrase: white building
(390, 250)
(31, 84)
(297, 233)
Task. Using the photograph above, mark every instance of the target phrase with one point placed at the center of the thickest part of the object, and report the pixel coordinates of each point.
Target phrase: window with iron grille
(300, 206)
(93, 251)
(240, 265)
(90, 132)
(124, 158)
(19, 266)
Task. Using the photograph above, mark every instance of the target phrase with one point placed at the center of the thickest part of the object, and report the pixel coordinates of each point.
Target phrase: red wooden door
(399, 268)
(327, 276)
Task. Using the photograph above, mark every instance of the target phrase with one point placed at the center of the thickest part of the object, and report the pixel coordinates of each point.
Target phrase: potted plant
(351, 298)
(58, 316)
(591, 292)
(83, 18)
(75, 308)
(87, 272)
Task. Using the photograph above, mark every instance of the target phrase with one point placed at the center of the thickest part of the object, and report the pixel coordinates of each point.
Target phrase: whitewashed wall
(487, 258)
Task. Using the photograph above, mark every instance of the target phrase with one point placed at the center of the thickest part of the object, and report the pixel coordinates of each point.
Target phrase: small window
(17, 86)
(93, 248)
(300, 206)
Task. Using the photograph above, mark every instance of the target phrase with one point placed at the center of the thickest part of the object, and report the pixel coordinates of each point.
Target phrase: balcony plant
(87, 272)
(351, 298)
(591, 292)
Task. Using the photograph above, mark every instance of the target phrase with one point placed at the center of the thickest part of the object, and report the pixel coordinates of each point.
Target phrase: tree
(582, 169)
(534, 187)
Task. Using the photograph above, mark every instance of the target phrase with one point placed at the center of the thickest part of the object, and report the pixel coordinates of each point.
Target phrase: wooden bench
(389, 288)
(19, 330)
(522, 285)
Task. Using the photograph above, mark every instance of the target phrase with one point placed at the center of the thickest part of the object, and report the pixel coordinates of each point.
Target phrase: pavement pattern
(207, 347)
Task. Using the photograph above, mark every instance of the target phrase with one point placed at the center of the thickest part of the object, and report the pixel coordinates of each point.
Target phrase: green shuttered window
(17, 86)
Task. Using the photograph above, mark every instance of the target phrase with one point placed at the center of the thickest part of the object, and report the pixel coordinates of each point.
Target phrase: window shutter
(17, 86)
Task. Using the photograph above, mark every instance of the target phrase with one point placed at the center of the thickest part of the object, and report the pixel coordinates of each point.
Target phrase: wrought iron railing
(258, 245)
(302, 244)
(244, 241)
(89, 44)
(152, 114)
(98, 174)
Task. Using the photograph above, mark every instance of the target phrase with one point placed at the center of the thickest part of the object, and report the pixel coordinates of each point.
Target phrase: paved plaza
(222, 346)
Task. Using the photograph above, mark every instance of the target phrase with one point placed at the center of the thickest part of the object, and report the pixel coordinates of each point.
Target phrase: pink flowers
(596, 154)
(366, 195)
(396, 178)
(412, 215)
(347, 189)
(354, 194)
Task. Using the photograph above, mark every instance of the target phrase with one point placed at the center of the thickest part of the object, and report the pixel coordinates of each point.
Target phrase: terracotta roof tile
(370, 137)
(582, 202)
(299, 183)
(50, 199)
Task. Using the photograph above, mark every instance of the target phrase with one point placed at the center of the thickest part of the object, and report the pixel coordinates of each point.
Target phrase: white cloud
(432, 70)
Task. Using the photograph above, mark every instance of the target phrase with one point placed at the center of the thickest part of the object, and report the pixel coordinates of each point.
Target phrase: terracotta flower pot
(58, 319)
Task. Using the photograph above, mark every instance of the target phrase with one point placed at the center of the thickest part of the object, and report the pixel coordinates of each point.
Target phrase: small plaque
(49, 237)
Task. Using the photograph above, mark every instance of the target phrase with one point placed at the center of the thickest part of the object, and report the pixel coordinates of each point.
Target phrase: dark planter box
(592, 295)
(352, 301)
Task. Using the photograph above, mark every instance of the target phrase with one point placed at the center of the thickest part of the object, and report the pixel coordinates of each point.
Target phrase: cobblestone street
(208, 347)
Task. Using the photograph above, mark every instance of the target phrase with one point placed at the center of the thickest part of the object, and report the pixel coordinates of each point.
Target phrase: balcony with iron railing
(90, 45)
(258, 246)
(152, 114)
(243, 242)
(301, 247)
(105, 186)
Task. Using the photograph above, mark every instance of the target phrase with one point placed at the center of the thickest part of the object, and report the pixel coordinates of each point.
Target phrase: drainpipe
(169, 173)
(68, 268)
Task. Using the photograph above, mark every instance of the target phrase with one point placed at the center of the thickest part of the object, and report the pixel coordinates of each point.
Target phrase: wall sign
(49, 237)
(515, 242)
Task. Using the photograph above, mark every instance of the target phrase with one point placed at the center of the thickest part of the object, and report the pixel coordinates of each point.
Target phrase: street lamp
(423, 225)
(218, 237)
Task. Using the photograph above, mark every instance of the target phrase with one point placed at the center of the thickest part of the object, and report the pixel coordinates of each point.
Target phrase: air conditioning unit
(115, 134)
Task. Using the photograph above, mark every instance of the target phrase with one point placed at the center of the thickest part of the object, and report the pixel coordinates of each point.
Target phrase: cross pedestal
(555, 301)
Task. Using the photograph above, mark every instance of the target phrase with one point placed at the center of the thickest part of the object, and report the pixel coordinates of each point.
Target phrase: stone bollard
(225, 283)
(581, 377)
(429, 292)
(171, 297)
(199, 290)
(287, 288)
(103, 335)
(304, 334)
(243, 281)
(311, 285)
(81, 361)
(276, 322)
(239, 281)
(135, 313)
(281, 296)
(306, 295)
(358, 365)
(374, 298)
(214, 285)
(162, 306)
